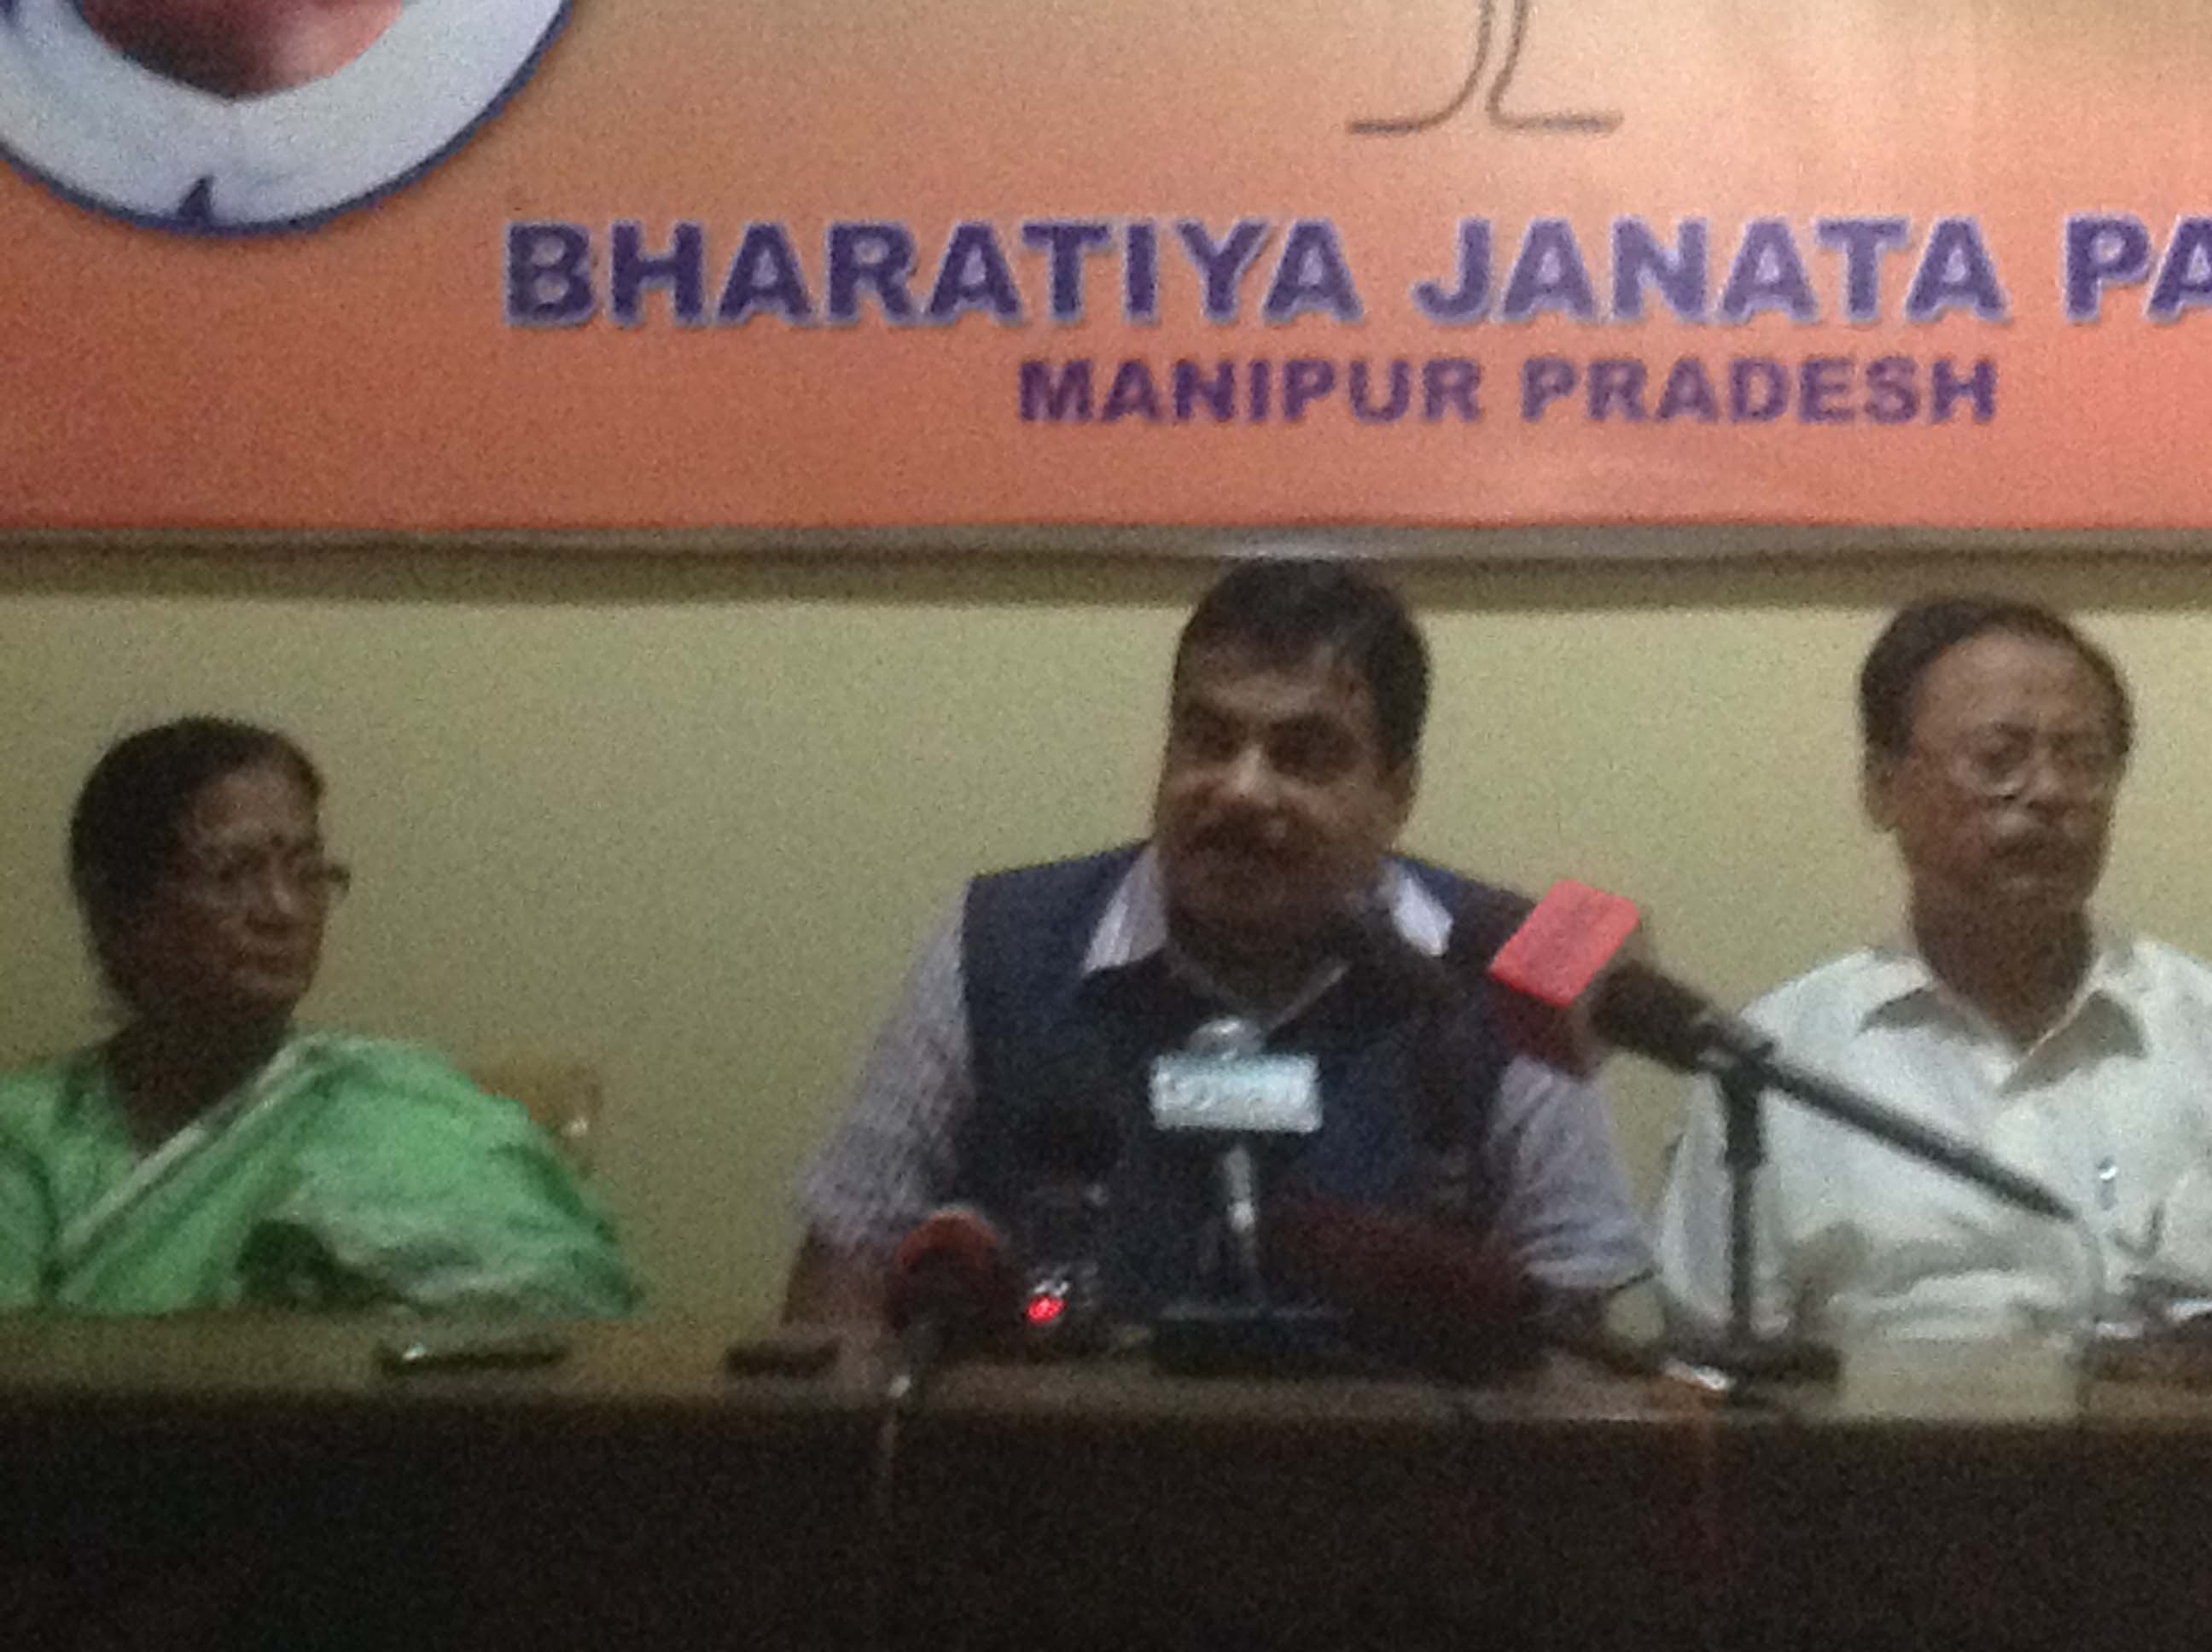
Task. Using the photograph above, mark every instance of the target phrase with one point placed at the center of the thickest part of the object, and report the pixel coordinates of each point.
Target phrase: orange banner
(459, 265)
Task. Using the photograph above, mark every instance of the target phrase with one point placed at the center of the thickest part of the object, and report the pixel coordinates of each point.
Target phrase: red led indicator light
(1044, 1308)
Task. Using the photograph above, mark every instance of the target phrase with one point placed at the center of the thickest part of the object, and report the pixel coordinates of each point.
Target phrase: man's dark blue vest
(1062, 1060)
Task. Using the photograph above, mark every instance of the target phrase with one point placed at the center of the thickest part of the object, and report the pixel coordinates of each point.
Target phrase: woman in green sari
(213, 1153)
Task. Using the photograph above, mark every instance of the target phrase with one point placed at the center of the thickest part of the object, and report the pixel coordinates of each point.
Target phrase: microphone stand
(1743, 1064)
(1234, 1325)
(1239, 1176)
(1743, 1352)
(1240, 1328)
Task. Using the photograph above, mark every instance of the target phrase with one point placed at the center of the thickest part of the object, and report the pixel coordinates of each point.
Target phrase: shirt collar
(1899, 981)
(172, 135)
(128, 96)
(1134, 925)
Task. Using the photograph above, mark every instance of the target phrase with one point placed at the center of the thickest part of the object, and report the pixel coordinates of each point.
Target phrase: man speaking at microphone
(1267, 892)
(1996, 737)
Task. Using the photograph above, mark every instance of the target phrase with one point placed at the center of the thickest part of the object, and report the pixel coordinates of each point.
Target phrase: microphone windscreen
(1545, 970)
(1078, 1139)
(1432, 1291)
(953, 1263)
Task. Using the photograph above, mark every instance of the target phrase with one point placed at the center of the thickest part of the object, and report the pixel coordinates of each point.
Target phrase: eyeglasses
(1998, 764)
(230, 882)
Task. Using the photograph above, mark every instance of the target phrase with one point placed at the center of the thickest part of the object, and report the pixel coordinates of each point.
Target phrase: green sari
(349, 1172)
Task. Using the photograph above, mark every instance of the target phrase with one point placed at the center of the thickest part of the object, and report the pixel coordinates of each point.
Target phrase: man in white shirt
(225, 116)
(1996, 739)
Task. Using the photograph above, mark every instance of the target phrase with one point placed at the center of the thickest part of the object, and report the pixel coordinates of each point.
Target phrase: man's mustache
(1240, 836)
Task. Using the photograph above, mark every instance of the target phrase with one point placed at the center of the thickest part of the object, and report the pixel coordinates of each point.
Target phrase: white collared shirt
(108, 129)
(2111, 1109)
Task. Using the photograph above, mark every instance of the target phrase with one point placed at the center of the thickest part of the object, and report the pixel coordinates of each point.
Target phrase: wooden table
(240, 1478)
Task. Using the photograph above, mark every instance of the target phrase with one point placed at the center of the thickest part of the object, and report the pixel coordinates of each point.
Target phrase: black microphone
(1483, 919)
(949, 1279)
(1079, 1136)
(1366, 936)
(1433, 993)
(1562, 970)
(1545, 973)
(1069, 1151)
